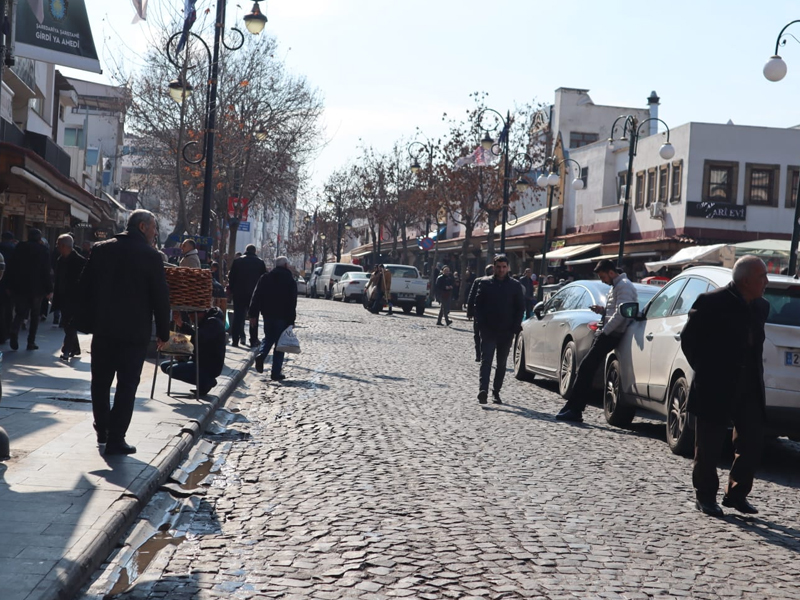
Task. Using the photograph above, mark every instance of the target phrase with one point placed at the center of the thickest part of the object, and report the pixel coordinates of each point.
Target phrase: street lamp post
(339, 216)
(416, 168)
(489, 144)
(549, 182)
(180, 89)
(631, 130)
(775, 70)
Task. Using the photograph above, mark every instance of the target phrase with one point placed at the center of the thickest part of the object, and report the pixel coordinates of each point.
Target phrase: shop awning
(76, 209)
(594, 259)
(523, 220)
(569, 251)
(764, 247)
(722, 254)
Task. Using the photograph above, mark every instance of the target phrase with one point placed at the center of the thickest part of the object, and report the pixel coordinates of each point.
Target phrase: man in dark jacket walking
(122, 290)
(243, 278)
(499, 306)
(69, 267)
(29, 282)
(723, 340)
(275, 299)
(473, 292)
(6, 301)
(444, 290)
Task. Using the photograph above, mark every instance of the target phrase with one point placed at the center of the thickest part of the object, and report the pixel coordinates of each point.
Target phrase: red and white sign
(238, 205)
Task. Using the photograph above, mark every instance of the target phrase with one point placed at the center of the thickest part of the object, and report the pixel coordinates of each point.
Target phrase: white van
(331, 273)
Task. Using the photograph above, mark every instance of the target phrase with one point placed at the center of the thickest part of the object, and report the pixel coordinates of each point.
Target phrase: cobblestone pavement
(373, 473)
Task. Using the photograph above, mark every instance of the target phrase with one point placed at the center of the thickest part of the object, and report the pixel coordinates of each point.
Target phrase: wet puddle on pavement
(143, 556)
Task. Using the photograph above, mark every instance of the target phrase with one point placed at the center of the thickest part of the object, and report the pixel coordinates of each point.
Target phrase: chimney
(653, 102)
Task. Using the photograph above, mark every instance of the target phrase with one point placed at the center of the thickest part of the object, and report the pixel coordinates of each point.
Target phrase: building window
(585, 177)
(73, 136)
(791, 187)
(663, 183)
(651, 186)
(639, 190)
(576, 139)
(761, 184)
(720, 181)
(677, 183)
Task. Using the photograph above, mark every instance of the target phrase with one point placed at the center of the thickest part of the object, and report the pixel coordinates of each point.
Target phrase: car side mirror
(629, 310)
(538, 310)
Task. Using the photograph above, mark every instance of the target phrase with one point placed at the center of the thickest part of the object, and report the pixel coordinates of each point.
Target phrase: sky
(385, 68)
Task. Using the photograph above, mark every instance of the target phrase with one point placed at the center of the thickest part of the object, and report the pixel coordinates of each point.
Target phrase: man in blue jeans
(275, 299)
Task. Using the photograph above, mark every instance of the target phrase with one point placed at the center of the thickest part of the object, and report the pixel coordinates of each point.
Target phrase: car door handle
(649, 337)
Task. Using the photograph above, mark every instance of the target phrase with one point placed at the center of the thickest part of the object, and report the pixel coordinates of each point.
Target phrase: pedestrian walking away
(30, 283)
(69, 267)
(243, 278)
(473, 291)
(444, 288)
(6, 301)
(190, 258)
(211, 349)
(612, 325)
(723, 340)
(275, 299)
(528, 286)
(122, 289)
(499, 305)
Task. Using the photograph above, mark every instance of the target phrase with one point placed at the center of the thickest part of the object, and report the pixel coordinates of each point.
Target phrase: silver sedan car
(559, 334)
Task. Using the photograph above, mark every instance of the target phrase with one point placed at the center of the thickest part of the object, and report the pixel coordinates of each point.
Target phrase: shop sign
(55, 217)
(716, 210)
(15, 205)
(36, 212)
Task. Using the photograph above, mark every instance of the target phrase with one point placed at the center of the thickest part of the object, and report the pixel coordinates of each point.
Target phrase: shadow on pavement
(330, 373)
(772, 533)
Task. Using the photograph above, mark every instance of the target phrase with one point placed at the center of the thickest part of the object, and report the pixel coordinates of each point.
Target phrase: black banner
(58, 32)
(716, 210)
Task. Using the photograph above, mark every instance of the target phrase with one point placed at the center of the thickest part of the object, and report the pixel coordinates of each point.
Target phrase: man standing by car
(613, 325)
(122, 289)
(499, 305)
(473, 291)
(243, 278)
(723, 340)
(527, 285)
(275, 298)
(444, 289)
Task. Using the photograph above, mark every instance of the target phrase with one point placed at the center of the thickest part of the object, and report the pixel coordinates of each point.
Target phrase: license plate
(406, 295)
(793, 359)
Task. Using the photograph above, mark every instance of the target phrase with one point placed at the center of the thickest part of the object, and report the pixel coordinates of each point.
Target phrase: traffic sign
(313, 260)
(426, 243)
(244, 226)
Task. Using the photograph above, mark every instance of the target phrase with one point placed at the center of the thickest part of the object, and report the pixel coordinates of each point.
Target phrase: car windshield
(784, 306)
(358, 275)
(408, 272)
(342, 269)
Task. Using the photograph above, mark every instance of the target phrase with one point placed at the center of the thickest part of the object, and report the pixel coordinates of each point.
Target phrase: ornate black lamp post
(549, 181)
(775, 70)
(180, 89)
(414, 150)
(631, 129)
(499, 148)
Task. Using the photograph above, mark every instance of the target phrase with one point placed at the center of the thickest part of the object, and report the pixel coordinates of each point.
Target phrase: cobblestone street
(373, 472)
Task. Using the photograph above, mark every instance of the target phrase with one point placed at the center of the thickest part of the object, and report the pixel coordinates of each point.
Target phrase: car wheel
(421, 308)
(566, 370)
(680, 435)
(616, 413)
(407, 308)
(520, 372)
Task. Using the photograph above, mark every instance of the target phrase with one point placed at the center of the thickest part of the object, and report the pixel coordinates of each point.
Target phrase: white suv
(647, 370)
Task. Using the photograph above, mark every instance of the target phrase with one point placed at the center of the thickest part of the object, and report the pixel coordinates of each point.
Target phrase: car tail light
(594, 325)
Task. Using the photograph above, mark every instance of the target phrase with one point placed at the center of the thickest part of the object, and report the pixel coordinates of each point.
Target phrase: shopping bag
(178, 343)
(288, 342)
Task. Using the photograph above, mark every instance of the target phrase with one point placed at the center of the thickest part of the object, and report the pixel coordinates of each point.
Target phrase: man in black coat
(6, 301)
(444, 291)
(211, 333)
(499, 306)
(473, 292)
(275, 299)
(122, 289)
(29, 282)
(69, 267)
(723, 340)
(243, 278)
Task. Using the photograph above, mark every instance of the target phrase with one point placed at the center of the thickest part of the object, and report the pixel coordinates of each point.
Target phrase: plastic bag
(288, 342)
(178, 343)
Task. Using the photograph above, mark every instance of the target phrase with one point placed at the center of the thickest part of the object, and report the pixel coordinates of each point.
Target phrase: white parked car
(648, 370)
(302, 287)
(350, 286)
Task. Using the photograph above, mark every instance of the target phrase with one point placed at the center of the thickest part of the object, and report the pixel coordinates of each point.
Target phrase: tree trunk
(491, 216)
(463, 291)
(404, 255)
(233, 228)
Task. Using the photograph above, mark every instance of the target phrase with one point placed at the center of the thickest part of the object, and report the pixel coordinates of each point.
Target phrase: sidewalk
(62, 504)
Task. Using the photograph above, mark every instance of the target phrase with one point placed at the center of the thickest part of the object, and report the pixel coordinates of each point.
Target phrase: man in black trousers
(29, 281)
(499, 306)
(473, 291)
(243, 278)
(723, 340)
(69, 267)
(122, 289)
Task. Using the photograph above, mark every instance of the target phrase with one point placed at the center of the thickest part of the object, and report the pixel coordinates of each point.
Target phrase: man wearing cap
(29, 281)
(613, 325)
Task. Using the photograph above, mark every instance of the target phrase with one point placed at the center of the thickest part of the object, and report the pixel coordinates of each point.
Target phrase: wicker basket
(189, 287)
